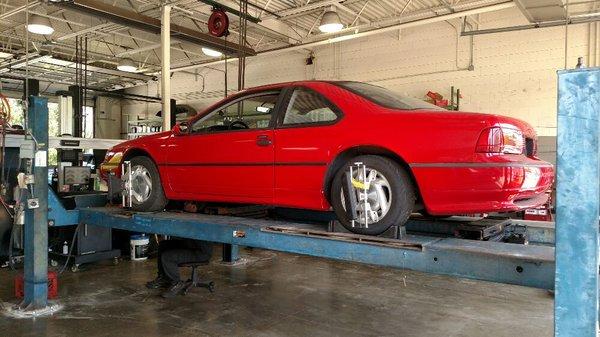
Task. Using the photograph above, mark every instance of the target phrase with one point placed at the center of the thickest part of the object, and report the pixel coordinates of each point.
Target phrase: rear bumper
(464, 188)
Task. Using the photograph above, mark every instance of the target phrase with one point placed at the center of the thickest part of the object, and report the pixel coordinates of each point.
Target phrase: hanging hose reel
(218, 23)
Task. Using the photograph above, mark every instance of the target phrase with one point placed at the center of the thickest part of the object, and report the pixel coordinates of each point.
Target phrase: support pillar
(165, 81)
(77, 100)
(31, 85)
(36, 219)
(173, 119)
(231, 253)
(578, 199)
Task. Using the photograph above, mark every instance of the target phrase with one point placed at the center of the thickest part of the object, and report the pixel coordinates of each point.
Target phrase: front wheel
(146, 190)
(383, 191)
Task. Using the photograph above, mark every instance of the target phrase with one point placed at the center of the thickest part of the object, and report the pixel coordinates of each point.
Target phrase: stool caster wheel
(54, 263)
(211, 287)
(115, 261)
(75, 268)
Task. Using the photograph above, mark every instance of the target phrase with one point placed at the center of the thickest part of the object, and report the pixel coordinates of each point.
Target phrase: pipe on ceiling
(146, 23)
(562, 23)
(479, 10)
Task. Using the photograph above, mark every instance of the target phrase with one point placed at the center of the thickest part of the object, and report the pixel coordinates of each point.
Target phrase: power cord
(70, 249)
(11, 263)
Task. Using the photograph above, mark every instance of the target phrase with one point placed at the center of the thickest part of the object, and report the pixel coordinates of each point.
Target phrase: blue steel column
(231, 252)
(36, 220)
(578, 176)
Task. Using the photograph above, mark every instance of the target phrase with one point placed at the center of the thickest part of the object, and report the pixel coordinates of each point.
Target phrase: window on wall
(53, 119)
(17, 112)
(88, 122)
(17, 115)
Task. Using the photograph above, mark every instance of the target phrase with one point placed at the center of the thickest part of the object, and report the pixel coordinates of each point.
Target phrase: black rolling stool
(194, 282)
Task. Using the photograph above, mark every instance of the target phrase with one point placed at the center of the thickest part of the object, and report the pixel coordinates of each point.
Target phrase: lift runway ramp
(528, 265)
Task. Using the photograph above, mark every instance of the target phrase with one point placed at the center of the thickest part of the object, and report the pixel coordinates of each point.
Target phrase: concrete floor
(277, 294)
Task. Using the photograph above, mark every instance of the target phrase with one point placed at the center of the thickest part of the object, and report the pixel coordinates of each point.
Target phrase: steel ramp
(527, 265)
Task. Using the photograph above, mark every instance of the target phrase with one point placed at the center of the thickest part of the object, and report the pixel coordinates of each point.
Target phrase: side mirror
(181, 129)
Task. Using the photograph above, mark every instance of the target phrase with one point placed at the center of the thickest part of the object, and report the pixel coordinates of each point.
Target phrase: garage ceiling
(284, 23)
(542, 10)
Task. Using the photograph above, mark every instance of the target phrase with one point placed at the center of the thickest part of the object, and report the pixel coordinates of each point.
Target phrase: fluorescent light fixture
(58, 62)
(127, 65)
(330, 22)
(4, 55)
(39, 25)
(211, 52)
(24, 62)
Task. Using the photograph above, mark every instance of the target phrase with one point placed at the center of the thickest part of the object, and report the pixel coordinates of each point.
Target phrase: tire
(156, 200)
(399, 189)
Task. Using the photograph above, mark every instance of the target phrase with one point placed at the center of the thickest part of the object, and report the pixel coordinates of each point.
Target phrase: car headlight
(113, 158)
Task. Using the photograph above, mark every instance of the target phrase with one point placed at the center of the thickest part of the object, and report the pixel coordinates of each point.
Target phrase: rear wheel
(146, 190)
(384, 193)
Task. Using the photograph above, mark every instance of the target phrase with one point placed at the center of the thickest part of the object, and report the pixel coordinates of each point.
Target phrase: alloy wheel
(141, 184)
(373, 194)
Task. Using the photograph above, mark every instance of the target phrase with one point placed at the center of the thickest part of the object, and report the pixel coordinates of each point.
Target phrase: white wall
(514, 73)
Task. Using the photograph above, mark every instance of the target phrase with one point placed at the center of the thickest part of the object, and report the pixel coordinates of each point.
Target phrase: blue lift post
(578, 199)
(36, 220)
(230, 253)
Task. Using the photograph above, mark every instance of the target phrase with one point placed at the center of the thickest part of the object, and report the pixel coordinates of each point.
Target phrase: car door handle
(263, 140)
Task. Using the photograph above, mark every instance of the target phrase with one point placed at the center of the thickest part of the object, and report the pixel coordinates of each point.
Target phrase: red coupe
(370, 154)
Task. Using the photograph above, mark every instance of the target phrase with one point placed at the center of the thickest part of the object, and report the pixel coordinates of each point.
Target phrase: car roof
(283, 85)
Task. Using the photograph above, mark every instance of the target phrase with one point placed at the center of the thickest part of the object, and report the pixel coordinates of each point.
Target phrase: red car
(294, 144)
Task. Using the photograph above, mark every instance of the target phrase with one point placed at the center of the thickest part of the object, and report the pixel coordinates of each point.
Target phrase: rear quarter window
(387, 98)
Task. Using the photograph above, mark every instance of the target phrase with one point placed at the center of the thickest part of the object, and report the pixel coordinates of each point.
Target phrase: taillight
(500, 140)
(490, 141)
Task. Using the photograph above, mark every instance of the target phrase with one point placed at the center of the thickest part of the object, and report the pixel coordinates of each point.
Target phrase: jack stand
(394, 232)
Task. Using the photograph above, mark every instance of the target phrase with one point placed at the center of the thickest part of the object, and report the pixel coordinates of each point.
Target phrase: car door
(305, 139)
(227, 155)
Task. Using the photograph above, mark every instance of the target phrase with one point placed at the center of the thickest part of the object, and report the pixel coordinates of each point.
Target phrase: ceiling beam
(135, 20)
(393, 27)
(19, 9)
(349, 11)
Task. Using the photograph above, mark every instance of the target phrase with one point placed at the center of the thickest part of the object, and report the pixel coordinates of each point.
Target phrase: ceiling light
(127, 65)
(330, 22)
(211, 52)
(58, 62)
(39, 25)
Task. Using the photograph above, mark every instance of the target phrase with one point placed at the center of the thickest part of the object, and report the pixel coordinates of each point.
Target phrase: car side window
(308, 107)
(253, 112)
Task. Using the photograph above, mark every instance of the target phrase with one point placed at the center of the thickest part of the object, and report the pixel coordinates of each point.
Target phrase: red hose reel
(218, 23)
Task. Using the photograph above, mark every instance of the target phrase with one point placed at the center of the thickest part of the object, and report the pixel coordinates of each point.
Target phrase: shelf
(146, 121)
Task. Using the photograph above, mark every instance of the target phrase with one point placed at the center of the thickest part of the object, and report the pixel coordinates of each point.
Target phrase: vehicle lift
(428, 246)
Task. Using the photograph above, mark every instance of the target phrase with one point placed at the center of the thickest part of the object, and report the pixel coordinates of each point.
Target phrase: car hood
(142, 141)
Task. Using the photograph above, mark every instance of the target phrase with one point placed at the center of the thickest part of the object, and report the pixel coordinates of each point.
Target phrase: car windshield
(387, 98)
